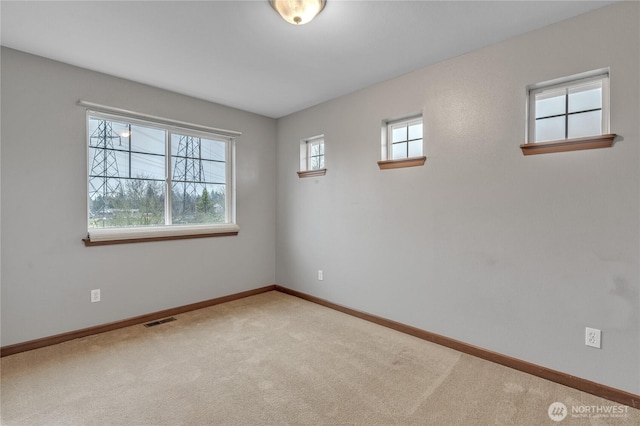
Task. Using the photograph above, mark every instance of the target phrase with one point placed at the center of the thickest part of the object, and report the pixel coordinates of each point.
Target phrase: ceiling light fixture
(298, 12)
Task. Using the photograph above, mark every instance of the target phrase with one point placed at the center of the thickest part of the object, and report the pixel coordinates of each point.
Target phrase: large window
(148, 179)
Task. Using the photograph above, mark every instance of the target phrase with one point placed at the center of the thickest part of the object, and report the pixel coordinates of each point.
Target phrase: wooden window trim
(311, 173)
(574, 144)
(89, 243)
(402, 162)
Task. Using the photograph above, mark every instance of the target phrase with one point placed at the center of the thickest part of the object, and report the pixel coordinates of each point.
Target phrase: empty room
(320, 212)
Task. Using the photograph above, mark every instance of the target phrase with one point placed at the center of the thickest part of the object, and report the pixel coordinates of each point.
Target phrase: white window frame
(387, 135)
(566, 84)
(310, 143)
(97, 236)
(306, 167)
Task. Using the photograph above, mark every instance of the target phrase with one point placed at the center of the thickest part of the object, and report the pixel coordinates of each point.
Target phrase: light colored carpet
(273, 359)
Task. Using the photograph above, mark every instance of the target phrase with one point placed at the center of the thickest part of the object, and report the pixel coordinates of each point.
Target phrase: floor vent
(162, 321)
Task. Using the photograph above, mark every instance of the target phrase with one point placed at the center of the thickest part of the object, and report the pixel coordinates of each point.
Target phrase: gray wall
(47, 273)
(510, 253)
(513, 254)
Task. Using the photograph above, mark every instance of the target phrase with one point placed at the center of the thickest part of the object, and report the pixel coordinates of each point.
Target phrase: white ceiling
(242, 54)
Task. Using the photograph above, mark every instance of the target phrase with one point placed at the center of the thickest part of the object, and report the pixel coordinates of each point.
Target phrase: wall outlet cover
(593, 337)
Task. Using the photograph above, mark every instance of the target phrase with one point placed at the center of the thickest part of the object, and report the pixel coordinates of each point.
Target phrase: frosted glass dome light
(298, 12)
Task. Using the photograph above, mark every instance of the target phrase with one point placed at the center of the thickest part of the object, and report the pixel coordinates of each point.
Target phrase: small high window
(402, 143)
(405, 139)
(312, 157)
(569, 112)
(315, 153)
(575, 109)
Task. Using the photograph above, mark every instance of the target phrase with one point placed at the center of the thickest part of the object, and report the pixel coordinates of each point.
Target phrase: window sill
(405, 162)
(127, 236)
(311, 173)
(575, 144)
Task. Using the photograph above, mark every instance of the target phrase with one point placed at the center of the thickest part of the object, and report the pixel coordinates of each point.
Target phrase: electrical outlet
(95, 295)
(592, 337)
(320, 275)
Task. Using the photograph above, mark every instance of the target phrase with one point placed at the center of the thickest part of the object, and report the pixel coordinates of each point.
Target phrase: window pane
(415, 148)
(185, 146)
(108, 134)
(585, 124)
(399, 134)
(147, 140)
(399, 151)
(213, 149)
(186, 169)
(105, 190)
(108, 152)
(582, 99)
(197, 180)
(213, 172)
(194, 203)
(550, 103)
(186, 164)
(183, 201)
(315, 153)
(121, 132)
(315, 149)
(549, 129)
(316, 162)
(218, 200)
(121, 163)
(111, 146)
(139, 202)
(147, 166)
(107, 163)
(415, 131)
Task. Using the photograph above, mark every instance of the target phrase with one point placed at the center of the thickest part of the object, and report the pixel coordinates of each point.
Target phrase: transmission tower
(188, 172)
(104, 165)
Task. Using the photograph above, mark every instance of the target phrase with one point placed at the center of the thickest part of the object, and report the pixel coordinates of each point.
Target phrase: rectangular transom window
(404, 138)
(150, 180)
(573, 108)
(312, 157)
(315, 153)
